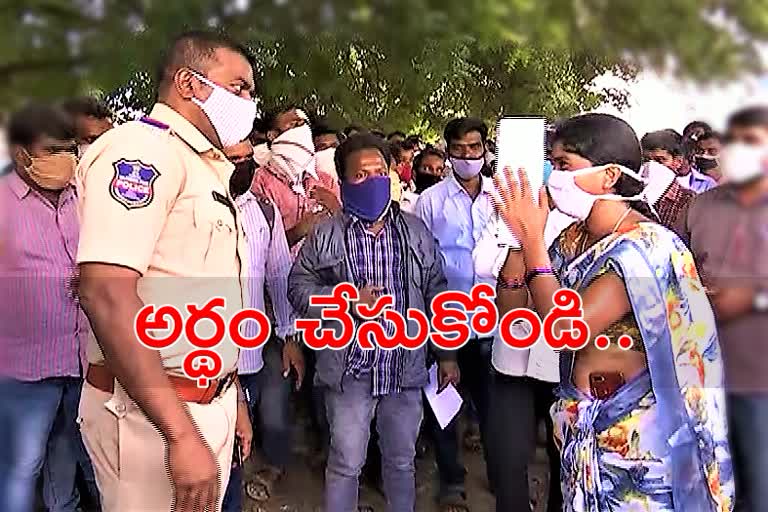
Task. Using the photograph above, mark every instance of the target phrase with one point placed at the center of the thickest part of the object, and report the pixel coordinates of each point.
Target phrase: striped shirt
(377, 260)
(42, 328)
(269, 264)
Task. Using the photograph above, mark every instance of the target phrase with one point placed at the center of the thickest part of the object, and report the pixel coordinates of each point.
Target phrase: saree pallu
(659, 444)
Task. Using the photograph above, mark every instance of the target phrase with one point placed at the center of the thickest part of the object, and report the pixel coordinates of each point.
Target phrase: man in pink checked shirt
(41, 323)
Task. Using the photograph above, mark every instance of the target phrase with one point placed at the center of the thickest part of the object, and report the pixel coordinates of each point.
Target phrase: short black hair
(34, 121)
(323, 129)
(695, 125)
(356, 143)
(195, 50)
(396, 133)
(429, 151)
(458, 128)
(87, 106)
(270, 116)
(749, 118)
(711, 134)
(378, 133)
(352, 128)
(666, 140)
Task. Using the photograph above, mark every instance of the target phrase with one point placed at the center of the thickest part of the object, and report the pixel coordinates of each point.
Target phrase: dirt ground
(301, 491)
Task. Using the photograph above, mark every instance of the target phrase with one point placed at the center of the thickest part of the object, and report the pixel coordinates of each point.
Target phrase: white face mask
(293, 152)
(231, 116)
(741, 162)
(261, 154)
(572, 200)
(659, 178)
(326, 163)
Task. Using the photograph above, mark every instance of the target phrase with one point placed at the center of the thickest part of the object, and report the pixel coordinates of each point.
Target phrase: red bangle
(539, 271)
(515, 283)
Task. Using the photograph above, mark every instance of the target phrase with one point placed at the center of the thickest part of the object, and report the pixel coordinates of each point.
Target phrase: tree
(393, 62)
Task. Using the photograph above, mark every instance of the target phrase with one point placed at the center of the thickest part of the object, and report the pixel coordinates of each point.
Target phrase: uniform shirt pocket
(216, 226)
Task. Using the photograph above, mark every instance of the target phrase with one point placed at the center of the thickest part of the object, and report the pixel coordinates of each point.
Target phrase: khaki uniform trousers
(129, 454)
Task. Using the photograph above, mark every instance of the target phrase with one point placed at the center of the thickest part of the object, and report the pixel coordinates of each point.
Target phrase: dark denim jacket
(323, 262)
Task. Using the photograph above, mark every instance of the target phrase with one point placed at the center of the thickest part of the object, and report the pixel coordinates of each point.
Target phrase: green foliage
(385, 63)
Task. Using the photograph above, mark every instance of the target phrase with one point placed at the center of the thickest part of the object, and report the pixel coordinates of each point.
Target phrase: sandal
(264, 480)
(473, 441)
(453, 503)
(257, 491)
(365, 508)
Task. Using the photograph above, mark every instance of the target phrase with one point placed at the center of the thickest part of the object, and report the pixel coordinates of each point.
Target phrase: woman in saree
(641, 429)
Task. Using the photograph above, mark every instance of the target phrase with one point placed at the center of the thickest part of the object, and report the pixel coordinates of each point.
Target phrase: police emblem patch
(133, 184)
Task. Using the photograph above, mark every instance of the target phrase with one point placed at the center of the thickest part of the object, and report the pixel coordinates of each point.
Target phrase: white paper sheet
(520, 144)
(447, 404)
(543, 362)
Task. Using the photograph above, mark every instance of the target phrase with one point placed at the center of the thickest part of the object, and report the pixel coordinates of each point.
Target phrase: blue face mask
(367, 200)
(547, 170)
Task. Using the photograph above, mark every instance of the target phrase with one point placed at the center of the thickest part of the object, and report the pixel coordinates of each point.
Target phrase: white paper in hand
(520, 144)
(447, 404)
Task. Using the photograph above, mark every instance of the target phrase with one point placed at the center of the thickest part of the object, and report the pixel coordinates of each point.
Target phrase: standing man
(375, 246)
(92, 119)
(456, 211)
(265, 374)
(706, 156)
(726, 230)
(42, 328)
(290, 179)
(159, 227)
(666, 147)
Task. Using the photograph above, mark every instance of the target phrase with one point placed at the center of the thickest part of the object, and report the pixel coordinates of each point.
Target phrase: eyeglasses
(61, 148)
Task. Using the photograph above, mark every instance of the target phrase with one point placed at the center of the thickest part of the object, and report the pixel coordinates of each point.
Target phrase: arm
(108, 296)
(436, 282)
(305, 281)
(604, 301)
(300, 231)
(513, 269)
(278, 267)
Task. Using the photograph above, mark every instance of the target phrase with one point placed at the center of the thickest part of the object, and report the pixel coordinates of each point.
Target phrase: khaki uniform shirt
(154, 197)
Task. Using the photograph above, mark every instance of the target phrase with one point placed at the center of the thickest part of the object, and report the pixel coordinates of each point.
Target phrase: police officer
(159, 227)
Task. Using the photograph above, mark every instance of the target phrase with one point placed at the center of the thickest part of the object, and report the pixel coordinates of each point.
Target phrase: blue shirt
(457, 222)
(377, 260)
(697, 181)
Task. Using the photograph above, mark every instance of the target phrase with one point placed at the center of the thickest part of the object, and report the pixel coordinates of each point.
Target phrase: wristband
(515, 283)
(538, 271)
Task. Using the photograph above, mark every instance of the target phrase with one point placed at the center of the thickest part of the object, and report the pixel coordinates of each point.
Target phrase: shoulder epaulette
(154, 122)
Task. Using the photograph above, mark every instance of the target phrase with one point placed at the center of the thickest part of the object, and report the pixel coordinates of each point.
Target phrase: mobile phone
(520, 144)
(605, 384)
(238, 452)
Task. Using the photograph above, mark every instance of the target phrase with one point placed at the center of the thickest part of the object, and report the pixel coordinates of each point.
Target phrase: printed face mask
(231, 116)
(573, 200)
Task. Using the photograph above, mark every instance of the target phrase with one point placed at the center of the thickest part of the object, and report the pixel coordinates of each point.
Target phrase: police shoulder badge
(133, 183)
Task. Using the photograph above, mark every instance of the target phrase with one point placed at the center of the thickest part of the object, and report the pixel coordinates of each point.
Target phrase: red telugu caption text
(450, 326)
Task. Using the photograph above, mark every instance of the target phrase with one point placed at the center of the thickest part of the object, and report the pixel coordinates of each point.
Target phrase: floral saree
(659, 443)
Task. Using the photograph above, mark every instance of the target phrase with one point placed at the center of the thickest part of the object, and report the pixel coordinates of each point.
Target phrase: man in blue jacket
(381, 250)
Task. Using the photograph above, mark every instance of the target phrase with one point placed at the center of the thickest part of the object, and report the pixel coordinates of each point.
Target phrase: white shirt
(457, 222)
(408, 201)
(269, 262)
(539, 362)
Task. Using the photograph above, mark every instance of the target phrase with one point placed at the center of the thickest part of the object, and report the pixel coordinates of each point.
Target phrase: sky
(658, 101)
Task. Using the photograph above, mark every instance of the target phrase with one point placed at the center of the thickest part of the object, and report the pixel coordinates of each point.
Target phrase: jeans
(39, 433)
(516, 405)
(398, 417)
(268, 395)
(475, 365)
(748, 425)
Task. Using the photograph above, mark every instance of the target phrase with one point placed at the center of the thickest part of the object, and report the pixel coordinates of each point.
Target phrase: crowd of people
(202, 197)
